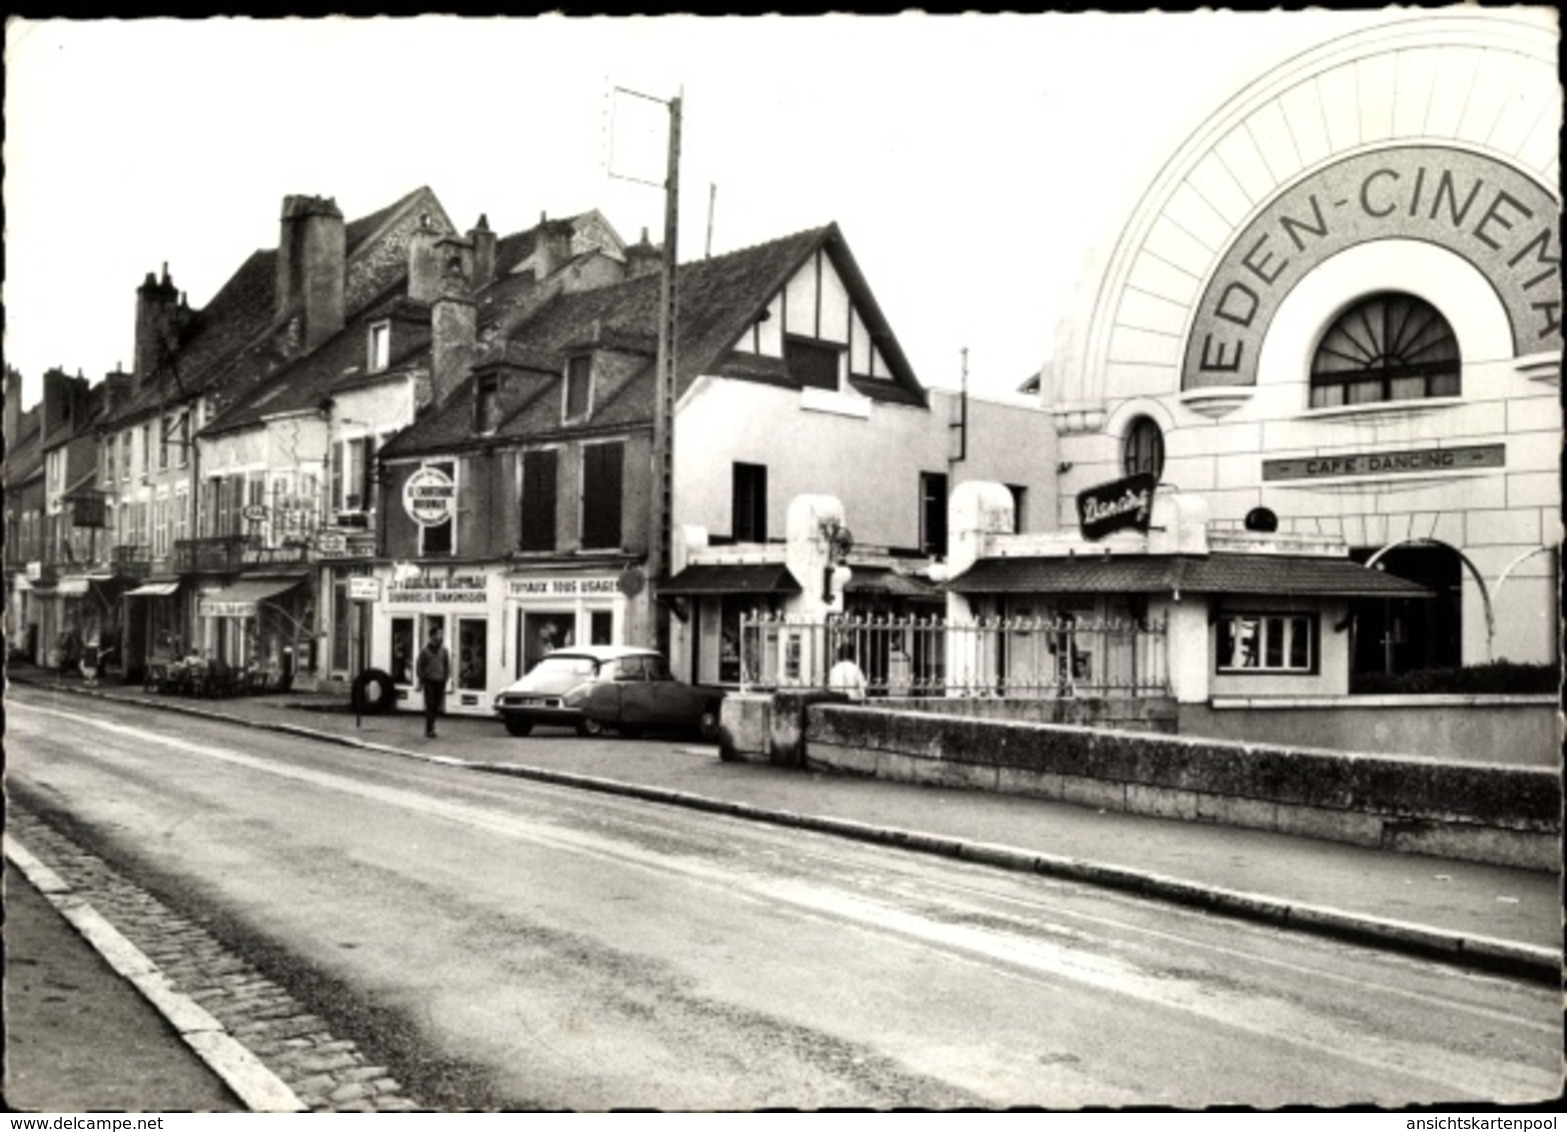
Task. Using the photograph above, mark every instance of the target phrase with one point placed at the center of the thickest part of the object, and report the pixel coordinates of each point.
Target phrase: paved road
(591, 952)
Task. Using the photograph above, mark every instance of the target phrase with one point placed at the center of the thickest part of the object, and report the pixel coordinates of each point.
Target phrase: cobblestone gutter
(326, 1073)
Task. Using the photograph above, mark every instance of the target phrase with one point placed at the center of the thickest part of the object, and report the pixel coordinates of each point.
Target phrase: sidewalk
(1483, 916)
(78, 1036)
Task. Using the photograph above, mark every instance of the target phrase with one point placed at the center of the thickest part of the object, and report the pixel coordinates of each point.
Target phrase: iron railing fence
(1013, 658)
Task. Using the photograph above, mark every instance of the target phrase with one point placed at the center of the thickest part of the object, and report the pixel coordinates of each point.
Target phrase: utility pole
(660, 544)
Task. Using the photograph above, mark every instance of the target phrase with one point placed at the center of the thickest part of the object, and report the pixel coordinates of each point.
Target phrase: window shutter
(601, 491)
(337, 474)
(538, 500)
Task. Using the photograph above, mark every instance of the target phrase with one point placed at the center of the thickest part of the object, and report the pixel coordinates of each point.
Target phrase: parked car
(607, 687)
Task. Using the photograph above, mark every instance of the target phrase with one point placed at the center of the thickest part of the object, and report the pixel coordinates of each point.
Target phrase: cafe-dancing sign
(1124, 504)
(430, 497)
(1387, 463)
(1487, 212)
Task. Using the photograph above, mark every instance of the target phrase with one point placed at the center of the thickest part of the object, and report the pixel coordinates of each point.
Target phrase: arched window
(1143, 448)
(1387, 347)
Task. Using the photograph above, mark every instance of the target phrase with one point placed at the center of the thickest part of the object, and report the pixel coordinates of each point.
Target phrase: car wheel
(518, 727)
(708, 724)
(630, 731)
(590, 727)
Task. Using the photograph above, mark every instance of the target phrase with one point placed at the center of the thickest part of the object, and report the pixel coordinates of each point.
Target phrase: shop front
(549, 611)
(156, 628)
(262, 623)
(464, 604)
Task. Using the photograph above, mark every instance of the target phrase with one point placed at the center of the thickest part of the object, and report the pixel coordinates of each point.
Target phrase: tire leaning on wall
(373, 692)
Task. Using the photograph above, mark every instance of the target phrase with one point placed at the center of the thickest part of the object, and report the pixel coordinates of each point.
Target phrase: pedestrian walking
(846, 676)
(433, 669)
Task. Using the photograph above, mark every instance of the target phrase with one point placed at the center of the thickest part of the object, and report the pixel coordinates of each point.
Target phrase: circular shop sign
(430, 497)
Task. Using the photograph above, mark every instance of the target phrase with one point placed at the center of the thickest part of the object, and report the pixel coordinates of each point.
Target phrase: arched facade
(1419, 160)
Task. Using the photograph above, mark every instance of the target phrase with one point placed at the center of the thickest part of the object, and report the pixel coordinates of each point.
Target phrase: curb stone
(1494, 956)
(194, 988)
(241, 1071)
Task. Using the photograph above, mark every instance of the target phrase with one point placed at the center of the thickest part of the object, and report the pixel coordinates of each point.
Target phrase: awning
(1280, 575)
(881, 580)
(154, 589)
(244, 597)
(754, 578)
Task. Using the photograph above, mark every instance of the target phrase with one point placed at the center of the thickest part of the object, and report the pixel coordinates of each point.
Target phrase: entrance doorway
(1409, 635)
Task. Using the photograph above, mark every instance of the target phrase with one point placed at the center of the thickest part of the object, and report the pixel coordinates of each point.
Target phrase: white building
(1337, 309)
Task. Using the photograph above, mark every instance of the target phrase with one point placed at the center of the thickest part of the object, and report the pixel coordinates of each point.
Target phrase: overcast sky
(969, 160)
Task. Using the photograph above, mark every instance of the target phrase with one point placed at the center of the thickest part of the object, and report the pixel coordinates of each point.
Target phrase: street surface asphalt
(1510, 918)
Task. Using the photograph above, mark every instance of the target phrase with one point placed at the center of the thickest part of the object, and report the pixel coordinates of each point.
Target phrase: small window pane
(1300, 643)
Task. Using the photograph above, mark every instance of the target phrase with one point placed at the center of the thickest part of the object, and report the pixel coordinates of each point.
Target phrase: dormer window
(380, 346)
(486, 403)
(814, 364)
(579, 388)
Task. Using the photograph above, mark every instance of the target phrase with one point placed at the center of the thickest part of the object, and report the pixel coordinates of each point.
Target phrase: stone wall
(1521, 730)
(1508, 815)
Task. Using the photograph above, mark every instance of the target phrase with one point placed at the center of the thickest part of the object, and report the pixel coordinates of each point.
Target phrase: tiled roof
(712, 578)
(336, 364)
(719, 298)
(1216, 573)
(234, 342)
(1269, 574)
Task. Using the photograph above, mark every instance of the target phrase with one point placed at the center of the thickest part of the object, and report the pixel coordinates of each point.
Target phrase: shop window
(579, 388)
(933, 513)
(472, 653)
(601, 496)
(601, 627)
(1142, 451)
(749, 519)
(1388, 347)
(811, 363)
(1267, 642)
(538, 499)
(540, 634)
(403, 649)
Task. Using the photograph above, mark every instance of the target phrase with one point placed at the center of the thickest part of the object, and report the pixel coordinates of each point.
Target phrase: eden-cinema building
(1337, 309)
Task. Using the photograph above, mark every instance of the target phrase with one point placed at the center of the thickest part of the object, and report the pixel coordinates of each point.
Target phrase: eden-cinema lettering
(1500, 221)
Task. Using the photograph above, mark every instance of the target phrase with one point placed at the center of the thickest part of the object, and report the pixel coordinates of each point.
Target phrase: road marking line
(253, 1083)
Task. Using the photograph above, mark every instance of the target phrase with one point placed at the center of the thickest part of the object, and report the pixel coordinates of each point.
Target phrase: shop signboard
(1123, 504)
(364, 589)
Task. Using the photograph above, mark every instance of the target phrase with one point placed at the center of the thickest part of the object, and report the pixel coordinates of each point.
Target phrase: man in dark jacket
(433, 670)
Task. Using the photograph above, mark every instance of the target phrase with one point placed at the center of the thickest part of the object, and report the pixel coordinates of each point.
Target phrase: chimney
(453, 338)
(157, 306)
(312, 256)
(117, 389)
(551, 246)
(424, 264)
(483, 242)
(63, 400)
(642, 258)
(13, 406)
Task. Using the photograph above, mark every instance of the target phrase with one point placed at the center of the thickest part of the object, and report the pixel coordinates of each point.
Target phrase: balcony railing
(132, 561)
(222, 554)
